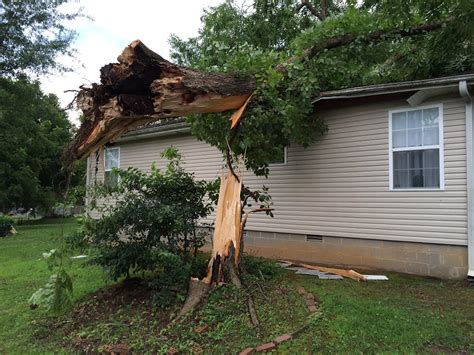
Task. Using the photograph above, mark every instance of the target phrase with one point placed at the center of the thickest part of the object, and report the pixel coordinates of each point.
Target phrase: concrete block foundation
(436, 260)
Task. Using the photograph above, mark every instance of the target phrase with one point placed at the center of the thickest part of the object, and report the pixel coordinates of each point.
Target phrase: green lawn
(22, 272)
(404, 315)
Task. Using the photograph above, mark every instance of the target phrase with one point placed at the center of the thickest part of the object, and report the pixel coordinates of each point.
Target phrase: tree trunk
(142, 88)
(224, 262)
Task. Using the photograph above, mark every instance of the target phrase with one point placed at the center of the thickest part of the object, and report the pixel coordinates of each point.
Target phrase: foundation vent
(314, 238)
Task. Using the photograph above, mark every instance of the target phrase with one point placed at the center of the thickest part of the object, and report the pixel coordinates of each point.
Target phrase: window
(416, 149)
(111, 160)
(280, 159)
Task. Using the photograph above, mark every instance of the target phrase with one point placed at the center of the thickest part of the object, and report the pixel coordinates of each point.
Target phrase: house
(390, 186)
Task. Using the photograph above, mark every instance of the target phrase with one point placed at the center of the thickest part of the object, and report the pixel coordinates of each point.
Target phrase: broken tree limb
(237, 115)
(143, 87)
(246, 216)
(342, 272)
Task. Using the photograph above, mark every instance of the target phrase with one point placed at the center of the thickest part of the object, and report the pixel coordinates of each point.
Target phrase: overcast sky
(115, 24)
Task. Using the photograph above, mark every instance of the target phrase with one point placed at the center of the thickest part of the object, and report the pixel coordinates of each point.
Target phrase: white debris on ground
(79, 257)
(325, 275)
(376, 277)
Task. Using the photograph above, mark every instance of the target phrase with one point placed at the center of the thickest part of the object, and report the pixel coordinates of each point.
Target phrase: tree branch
(246, 216)
(324, 9)
(344, 40)
(311, 8)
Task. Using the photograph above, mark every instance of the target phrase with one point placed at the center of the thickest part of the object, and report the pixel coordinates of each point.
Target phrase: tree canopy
(32, 35)
(33, 133)
(33, 128)
(380, 45)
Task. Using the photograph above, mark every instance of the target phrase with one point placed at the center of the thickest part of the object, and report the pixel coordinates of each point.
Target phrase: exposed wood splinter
(342, 272)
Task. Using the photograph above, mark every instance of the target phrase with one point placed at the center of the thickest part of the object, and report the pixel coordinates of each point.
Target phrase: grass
(407, 314)
(22, 272)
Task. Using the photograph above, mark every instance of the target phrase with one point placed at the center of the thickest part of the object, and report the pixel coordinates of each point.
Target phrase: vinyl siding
(339, 186)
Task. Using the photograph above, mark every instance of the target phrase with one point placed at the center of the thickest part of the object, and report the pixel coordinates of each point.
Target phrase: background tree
(32, 35)
(34, 131)
(33, 128)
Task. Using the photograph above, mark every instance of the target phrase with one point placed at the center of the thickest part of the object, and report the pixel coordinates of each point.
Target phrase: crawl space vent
(314, 238)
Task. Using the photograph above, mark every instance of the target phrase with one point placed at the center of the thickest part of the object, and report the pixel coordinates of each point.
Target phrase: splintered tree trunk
(224, 263)
(142, 88)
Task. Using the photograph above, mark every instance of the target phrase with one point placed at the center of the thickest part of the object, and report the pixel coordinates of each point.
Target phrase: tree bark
(223, 265)
(142, 88)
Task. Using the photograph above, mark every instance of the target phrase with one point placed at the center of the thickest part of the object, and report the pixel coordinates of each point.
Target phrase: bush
(6, 224)
(149, 220)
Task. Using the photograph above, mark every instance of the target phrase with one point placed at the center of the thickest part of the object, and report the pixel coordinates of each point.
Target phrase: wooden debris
(301, 290)
(115, 349)
(237, 115)
(342, 272)
(265, 347)
(282, 338)
(247, 351)
(197, 349)
(201, 328)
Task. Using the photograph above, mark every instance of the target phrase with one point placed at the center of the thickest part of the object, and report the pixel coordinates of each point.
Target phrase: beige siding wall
(339, 186)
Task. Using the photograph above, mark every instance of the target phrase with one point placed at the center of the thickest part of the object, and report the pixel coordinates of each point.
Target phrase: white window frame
(439, 146)
(285, 158)
(105, 157)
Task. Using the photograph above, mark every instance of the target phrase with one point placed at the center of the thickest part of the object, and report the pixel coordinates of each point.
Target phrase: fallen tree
(143, 87)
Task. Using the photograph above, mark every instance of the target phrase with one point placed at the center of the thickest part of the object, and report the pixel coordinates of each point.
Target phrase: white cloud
(115, 25)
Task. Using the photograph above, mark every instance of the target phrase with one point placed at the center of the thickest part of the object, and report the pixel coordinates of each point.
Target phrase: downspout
(464, 92)
(86, 197)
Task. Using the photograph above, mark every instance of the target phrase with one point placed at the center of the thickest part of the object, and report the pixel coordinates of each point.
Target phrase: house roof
(421, 89)
(397, 87)
(156, 129)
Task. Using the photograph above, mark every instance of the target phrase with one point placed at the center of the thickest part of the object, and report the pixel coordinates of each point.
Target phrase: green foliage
(173, 277)
(20, 328)
(33, 133)
(6, 224)
(261, 268)
(32, 35)
(148, 217)
(254, 39)
(56, 295)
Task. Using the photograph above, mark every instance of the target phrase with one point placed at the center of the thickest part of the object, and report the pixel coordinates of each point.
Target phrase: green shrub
(6, 224)
(146, 215)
